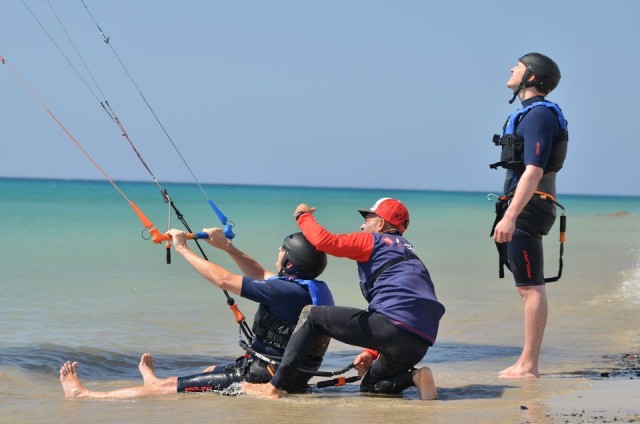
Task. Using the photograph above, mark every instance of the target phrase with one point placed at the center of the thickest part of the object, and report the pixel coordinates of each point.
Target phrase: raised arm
(216, 274)
(356, 246)
(249, 266)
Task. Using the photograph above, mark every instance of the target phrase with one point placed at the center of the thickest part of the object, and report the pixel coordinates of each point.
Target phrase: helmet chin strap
(521, 86)
(517, 91)
(284, 271)
(515, 94)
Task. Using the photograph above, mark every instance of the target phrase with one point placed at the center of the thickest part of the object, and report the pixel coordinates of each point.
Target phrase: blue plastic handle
(227, 228)
(228, 231)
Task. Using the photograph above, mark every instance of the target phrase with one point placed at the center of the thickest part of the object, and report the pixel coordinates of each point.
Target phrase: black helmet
(547, 73)
(307, 262)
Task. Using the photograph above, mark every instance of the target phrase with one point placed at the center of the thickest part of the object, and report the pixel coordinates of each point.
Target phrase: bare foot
(519, 371)
(506, 370)
(146, 368)
(70, 383)
(423, 379)
(265, 391)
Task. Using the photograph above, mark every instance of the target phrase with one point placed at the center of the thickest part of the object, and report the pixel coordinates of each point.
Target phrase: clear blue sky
(381, 94)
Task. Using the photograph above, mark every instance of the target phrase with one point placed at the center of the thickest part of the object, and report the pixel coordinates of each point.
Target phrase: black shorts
(245, 368)
(526, 259)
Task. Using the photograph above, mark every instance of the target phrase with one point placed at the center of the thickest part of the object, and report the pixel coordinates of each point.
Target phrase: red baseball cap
(391, 210)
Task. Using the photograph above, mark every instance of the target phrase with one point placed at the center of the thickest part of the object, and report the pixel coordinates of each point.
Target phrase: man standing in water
(281, 298)
(534, 146)
(401, 321)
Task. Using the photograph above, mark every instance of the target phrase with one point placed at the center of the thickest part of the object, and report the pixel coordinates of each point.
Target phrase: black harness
(271, 330)
(502, 203)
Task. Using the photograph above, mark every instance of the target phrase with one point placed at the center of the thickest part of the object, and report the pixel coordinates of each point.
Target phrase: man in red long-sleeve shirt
(402, 319)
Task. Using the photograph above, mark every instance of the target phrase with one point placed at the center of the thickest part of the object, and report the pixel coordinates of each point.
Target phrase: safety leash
(273, 361)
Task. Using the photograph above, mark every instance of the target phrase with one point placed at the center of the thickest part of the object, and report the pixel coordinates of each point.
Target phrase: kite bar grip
(158, 237)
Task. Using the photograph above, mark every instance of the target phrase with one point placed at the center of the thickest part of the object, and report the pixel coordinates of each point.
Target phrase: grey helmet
(307, 262)
(546, 71)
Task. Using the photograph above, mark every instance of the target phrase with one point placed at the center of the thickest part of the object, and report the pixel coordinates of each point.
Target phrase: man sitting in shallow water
(281, 298)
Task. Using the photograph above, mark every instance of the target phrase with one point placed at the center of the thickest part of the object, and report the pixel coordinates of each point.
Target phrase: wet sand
(605, 401)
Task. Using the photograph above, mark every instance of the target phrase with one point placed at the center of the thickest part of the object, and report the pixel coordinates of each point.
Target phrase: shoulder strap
(391, 263)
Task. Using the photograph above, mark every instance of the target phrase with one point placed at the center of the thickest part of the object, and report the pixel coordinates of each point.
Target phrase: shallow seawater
(79, 283)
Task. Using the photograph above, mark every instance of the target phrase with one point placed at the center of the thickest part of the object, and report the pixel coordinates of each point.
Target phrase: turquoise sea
(80, 282)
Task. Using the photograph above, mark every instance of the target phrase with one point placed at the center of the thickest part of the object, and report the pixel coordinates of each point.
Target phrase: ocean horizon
(293, 186)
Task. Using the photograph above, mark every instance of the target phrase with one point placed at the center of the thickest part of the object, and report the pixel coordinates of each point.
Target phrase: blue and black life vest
(276, 332)
(513, 146)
